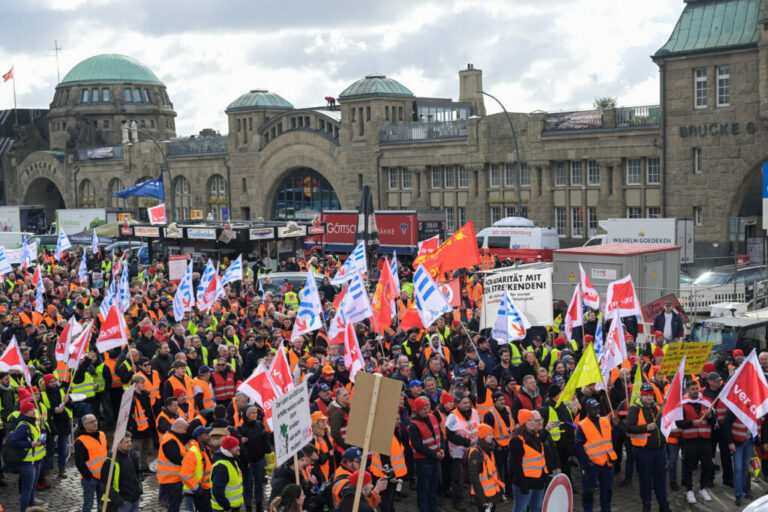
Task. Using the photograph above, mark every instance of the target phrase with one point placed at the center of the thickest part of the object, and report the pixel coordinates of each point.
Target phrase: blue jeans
(129, 507)
(90, 492)
(63, 449)
(741, 458)
(531, 500)
(29, 472)
(254, 484)
(427, 484)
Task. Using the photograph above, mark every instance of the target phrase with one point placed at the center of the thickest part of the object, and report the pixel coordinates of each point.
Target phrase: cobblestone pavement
(66, 496)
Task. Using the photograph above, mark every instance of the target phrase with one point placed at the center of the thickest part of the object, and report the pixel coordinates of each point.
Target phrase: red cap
(632, 359)
(178, 392)
(738, 352)
(354, 476)
(24, 394)
(560, 341)
(420, 403)
(628, 337)
(146, 328)
(26, 406)
(48, 378)
(658, 352)
(708, 367)
(658, 333)
(588, 338)
(35, 389)
(229, 442)
(446, 398)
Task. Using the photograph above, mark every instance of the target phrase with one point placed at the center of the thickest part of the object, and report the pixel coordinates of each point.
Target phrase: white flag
(5, 264)
(355, 263)
(511, 324)
(184, 297)
(234, 271)
(356, 304)
(430, 302)
(62, 244)
(310, 315)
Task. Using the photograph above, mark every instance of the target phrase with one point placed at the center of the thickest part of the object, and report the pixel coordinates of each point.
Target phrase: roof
(710, 25)
(333, 114)
(110, 67)
(375, 85)
(259, 98)
(618, 249)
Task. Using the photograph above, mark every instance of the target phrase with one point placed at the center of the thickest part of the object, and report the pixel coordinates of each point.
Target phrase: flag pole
(15, 110)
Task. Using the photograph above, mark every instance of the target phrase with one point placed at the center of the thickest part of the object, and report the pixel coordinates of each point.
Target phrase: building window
(494, 175)
(106, 123)
(559, 172)
(723, 86)
(463, 177)
(386, 113)
(105, 95)
(115, 185)
(461, 217)
(85, 96)
(509, 211)
(577, 223)
(238, 125)
(354, 115)
(362, 124)
(181, 198)
(560, 220)
(151, 123)
(146, 96)
(137, 95)
(700, 87)
(450, 224)
(525, 175)
(87, 194)
(653, 212)
(142, 123)
(128, 97)
(448, 176)
(524, 212)
(696, 160)
(435, 177)
(217, 196)
(698, 216)
(653, 171)
(509, 175)
(406, 179)
(634, 212)
(576, 173)
(367, 113)
(634, 172)
(495, 214)
(593, 173)
(94, 95)
(245, 185)
(393, 178)
(591, 221)
(400, 113)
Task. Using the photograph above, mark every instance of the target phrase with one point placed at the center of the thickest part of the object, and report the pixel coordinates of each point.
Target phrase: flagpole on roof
(15, 110)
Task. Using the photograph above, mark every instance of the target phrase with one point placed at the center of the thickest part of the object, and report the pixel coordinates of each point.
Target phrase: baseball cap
(352, 453)
(415, 382)
(471, 365)
(323, 387)
(461, 372)
(592, 403)
(201, 430)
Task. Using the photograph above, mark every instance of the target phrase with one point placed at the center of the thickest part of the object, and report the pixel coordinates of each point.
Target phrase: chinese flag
(459, 251)
(385, 293)
(8, 75)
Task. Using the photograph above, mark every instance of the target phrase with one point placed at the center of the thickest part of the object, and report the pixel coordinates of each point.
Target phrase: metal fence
(647, 115)
(201, 146)
(422, 132)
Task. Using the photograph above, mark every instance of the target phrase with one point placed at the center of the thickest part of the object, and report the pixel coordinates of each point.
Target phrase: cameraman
(393, 468)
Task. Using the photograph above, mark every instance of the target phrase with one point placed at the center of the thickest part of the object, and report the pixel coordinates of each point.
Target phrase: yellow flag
(636, 385)
(586, 372)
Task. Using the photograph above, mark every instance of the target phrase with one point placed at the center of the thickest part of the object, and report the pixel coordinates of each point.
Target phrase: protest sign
(376, 405)
(177, 265)
(531, 289)
(122, 425)
(292, 423)
(696, 354)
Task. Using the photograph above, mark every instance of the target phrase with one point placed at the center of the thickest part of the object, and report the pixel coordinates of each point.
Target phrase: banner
(695, 353)
(531, 289)
(292, 423)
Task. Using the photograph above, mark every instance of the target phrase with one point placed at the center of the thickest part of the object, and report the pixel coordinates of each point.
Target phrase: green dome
(111, 67)
(259, 98)
(375, 85)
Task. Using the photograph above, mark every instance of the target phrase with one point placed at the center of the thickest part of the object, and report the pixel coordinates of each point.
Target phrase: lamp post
(166, 165)
(517, 151)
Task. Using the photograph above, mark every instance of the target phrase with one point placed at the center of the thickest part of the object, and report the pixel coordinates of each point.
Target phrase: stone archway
(747, 207)
(301, 193)
(45, 192)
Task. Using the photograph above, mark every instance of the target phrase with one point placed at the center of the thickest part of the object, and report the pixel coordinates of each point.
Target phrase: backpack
(465, 464)
(12, 455)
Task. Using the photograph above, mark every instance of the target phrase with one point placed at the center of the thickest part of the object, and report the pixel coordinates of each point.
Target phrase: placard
(385, 413)
(201, 233)
(146, 231)
(122, 417)
(97, 280)
(291, 231)
(531, 290)
(261, 233)
(177, 265)
(695, 352)
(195, 214)
(291, 422)
(173, 231)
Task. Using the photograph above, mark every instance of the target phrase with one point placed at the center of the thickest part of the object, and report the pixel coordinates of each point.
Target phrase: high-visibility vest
(463, 428)
(486, 262)
(111, 363)
(486, 405)
(190, 413)
(35, 453)
(599, 446)
(223, 388)
(163, 414)
(152, 385)
(128, 365)
(234, 488)
(693, 432)
(291, 299)
(556, 431)
(208, 401)
(396, 458)
(444, 352)
(323, 446)
(99, 378)
(167, 471)
(139, 416)
(431, 439)
(97, 453)
(533, 461)
(196, 468)
(186, 385)
(47, 401)
(62, 372)
(641, 439)
(720, 410)
(236, 418)
(515, 356)
(501, 432)
(115, 482)
(489, 479)
(739, 431)
(87, 387)
(340, 478)
(659, 392)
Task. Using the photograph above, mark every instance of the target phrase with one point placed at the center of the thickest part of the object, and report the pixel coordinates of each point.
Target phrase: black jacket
(516, 452)
(655, 440)
(258, 442)
(129, 481)
(348, 500)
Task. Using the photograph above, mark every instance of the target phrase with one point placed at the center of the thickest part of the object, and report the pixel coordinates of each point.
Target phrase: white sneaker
(691, 497)
(705, 495)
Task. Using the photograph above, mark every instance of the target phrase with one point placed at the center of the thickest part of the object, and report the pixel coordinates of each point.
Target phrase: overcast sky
(551, 55)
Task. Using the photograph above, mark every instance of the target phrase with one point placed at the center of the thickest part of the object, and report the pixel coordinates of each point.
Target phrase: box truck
(30, 218)
(77, 220)
(667, 231)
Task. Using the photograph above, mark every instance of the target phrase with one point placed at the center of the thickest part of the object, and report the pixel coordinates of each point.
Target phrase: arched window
(302, 194)
(87, 194)
(217, 196)
(181, 198)
(116, 185)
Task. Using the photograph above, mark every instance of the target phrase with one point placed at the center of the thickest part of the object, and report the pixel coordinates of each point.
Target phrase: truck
(14, 239)
(518, 237)
(77, 220)
(745, 331)
(665, 231)
(29, 218)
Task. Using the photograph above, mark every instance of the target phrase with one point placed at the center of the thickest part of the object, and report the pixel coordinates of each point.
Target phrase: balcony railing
(621, 117)
(638, 116)
(102, 153)
(201, 146)
(423, 132)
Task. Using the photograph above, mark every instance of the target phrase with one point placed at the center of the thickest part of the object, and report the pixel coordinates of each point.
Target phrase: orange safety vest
(599, 446)
(486, 262)
(208, 401)
(486, 405)
(167, 418)
(446, 353)
(323, 447)
(186, 385)
(139, 416)
(190, 413)
(62, 372)
(659, 393)
(475, 294)
(167, 471)
(152, 385)
(340, 479)
(501, 432)
(189, 467)
(116, 383)
(641, 439)
(489, 479)
(396, 458)
(533, 461)
(236, 414)
(97, 453)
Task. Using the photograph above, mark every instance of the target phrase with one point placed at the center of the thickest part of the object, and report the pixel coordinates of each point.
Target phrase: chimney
(471, 80)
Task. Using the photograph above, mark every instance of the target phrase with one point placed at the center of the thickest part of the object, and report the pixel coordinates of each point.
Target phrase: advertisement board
(201, 233)
(397, 231)
(261, 233)
(146, 231)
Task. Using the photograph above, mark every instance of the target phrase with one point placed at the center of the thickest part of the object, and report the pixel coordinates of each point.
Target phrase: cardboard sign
(291, 422)
(122, 417)
(177, 265)
(385, 412)
(696, 354)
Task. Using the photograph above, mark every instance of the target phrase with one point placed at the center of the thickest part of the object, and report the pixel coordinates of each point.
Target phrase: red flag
(336, 329)
(353, 359)
(259, 388)
(411, 318)
(112, 331)
(673, 408)
(746, 393)
(79, 347)
(280, 372)
(621, 295)
(459, 251)
(426, 248)
(8, 75)
(386, 292)
(70, 330)
(452, 291)
(574, 317)
(157, 214)
(209, 296)
(12, 360)
(36, 276)
(338, 297)
(589, 293)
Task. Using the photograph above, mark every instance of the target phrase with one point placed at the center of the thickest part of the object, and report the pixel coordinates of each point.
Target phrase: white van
(518, 237)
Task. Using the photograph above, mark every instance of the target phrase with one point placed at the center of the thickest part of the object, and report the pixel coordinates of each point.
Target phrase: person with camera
(392, 468)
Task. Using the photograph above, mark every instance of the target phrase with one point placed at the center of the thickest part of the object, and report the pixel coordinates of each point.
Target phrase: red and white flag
(259, 388)
(112, 332)
(8, 75)
(426, 248)
(621, 295)
(574, 317)
(36, 276)
(746, 393)
(208, 298)
(157, 214)
(79, 347)
(12, 360)
(280, 372)
(673, 408)
(353, 359)
(70, 330)
(588, 292)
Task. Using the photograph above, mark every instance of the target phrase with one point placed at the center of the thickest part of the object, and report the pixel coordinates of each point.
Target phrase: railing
(621, 117)
(201, 146)
(102, 153)
(638, 116)
(422, 132)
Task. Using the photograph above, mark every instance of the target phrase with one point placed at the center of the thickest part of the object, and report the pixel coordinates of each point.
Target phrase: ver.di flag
(205, 283)
(260, 389)
(510, 324)
(355, 263)
(12, 360)
(62, 244)
(586, 372)
(70, 331)
(574, 317)
(184, 297)
(112, 332)
(430, 301)
(673, 401)
(353, 359)
(310, 313)
(280, 372)
(157, 214)
(234, 272)
(79, 347)
(614, 351)
(589, 294)
(746, 393)
(621, 295)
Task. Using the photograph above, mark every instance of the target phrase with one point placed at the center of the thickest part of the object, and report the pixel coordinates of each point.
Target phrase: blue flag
(150, 188)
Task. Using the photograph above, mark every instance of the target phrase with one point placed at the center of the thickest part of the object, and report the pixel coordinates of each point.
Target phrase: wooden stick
(367, 440)
(111, 473)
(296, 468)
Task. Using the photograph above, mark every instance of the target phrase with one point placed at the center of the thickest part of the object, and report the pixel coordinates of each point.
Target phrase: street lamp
(165, 160)
(517, 152)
